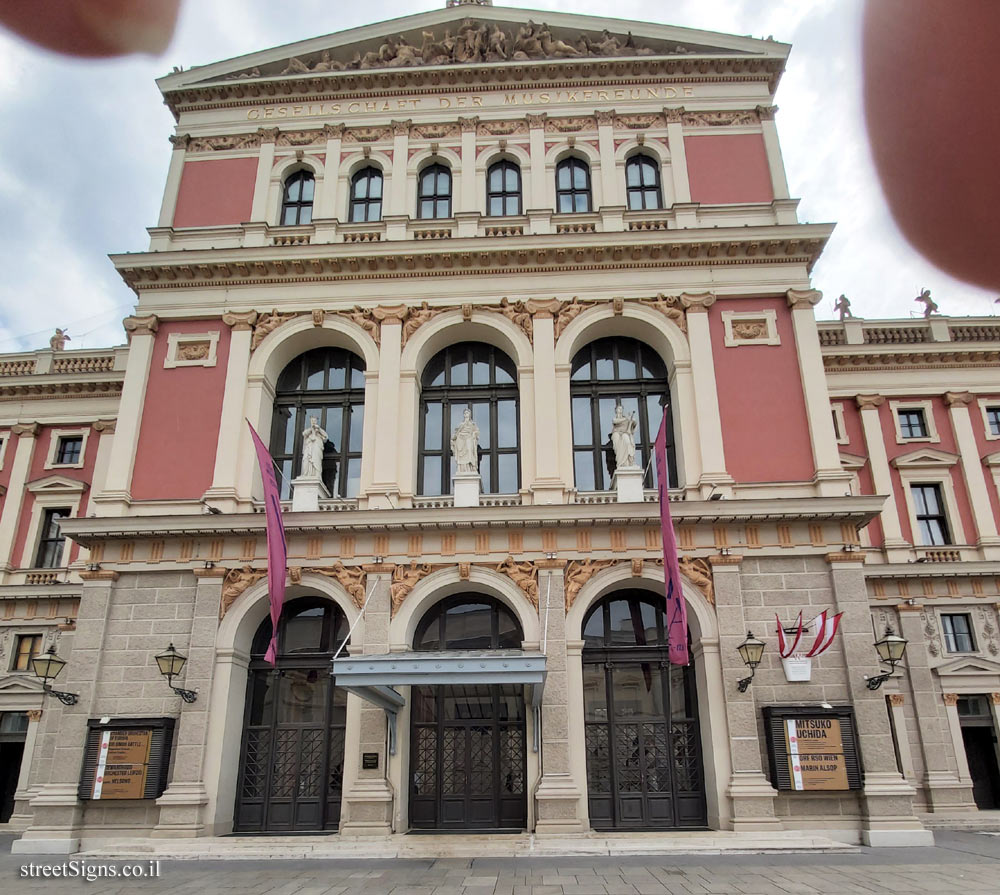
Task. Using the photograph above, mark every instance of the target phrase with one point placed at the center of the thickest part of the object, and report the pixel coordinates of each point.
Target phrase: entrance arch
(468, 742)
(643, 744)
(292, 755)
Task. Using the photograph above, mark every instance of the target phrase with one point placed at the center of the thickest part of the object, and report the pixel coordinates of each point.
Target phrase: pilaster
(537, 192)
(328, 200)
(706, 395)
(262, 182)
(972, 469)
(21, 817)
(115, 497)
(610, 188)
(467, 198)
(383, 492)
(174, 173)
(223, 494)
(775, 164)
(25, 434)
(398, 188)
(896, 548)
(548, 486)
(678, 156)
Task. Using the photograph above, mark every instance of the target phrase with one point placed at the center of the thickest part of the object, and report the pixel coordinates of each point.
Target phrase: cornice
(50, 390)
(473, 256)
(839, 509)
(940, 356)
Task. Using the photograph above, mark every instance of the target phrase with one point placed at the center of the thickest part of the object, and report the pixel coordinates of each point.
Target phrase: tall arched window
(366, 195)
(434, 193)
(468, 621)
(503, 188)
(604, 373)
(572, 185)
(297, 199)
(329, 384)
(642, 180)
(484, 380)
(292, 760)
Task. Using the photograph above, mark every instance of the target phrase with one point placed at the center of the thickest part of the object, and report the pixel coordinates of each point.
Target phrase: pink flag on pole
(277, 552)
(676, 617)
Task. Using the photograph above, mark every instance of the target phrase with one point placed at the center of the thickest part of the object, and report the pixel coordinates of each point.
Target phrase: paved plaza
(966, 863)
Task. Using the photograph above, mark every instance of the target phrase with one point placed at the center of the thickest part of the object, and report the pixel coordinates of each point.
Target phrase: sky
(85, 154)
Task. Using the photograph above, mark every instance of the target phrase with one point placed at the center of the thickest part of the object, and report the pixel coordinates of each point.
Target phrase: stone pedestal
(627, 481)
(467, 487)
(306, 494)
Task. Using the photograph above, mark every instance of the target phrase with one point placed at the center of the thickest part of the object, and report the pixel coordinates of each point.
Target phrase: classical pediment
(992, 459)
(968, 667)
(57, 484)
(925, 458)
(473, 35)
(20, 685)
(852, 461)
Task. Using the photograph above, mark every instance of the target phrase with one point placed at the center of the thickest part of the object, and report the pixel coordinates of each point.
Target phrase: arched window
(572, 185)
(329, 384)
(484, 380)
(468, 621)
(292, 757)
(503, 188)
(604, 373)
(366, 195)
(434, 194)
(642, 180)
(297, 200)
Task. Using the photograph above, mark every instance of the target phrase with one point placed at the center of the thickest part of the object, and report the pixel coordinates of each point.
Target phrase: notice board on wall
(812, 749)
(126, 758)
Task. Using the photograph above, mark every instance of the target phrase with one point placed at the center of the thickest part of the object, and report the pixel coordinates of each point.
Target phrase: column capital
(537, 120)
(674, 116)
(99, 575)
(268, 134)
(897, 699)
(213, 572)
(543, 307)
(469, 123)
(389, 315)
(730, 559)
(950, 698)
(550, 563)
(766, 113)
(698, 301)
(25, 429)
(996, 698)
(803, 298)
(857, 556)
(141, 326)
(34, 714)
(240, 321)
(869, 402)
(105, 426)
(401, 128)
(605, 116)
(179, 141)
(958, 399)
(334, 131)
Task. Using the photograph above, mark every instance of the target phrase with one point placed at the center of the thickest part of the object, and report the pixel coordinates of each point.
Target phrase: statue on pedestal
(465, 445)
(623, 438)
(59, 340)
(843, 307)
(314, 439)
(930, 306)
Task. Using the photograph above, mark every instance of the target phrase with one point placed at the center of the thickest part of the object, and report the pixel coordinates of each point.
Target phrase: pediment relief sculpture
(524, 575)
(579, 572)
(235, 582)
(351, 578)
(473, 42)
(403, 580)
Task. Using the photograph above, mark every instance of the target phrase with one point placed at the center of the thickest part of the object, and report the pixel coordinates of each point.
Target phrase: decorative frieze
(571, 125)
(720, 118)
(224, 142)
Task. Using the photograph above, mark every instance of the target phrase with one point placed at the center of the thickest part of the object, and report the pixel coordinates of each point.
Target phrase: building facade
(462, 210)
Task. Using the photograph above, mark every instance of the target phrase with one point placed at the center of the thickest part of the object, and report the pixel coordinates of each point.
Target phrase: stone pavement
(967, 863)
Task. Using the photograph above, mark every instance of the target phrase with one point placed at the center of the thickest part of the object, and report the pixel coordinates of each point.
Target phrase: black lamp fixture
(891, 649)
(750, 650)
(47, 666)
(171, 662)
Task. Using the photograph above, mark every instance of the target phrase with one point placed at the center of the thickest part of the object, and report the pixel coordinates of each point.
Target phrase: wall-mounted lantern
(750, 650)
(891, 649)
(171, 663)
(47, 666)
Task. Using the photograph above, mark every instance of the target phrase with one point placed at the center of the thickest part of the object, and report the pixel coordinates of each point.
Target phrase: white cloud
(82, 169)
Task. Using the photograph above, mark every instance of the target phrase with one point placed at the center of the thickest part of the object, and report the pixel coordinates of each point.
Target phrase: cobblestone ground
(961, 863)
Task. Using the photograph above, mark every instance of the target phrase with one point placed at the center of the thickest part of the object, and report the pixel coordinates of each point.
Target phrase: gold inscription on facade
(518, 98)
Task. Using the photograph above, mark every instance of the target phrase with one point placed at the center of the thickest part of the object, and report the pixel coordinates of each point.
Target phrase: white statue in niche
(314, 439)
(465, 444)
(623, 438)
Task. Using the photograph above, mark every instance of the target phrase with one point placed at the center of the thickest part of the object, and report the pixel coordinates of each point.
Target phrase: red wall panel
(724, 168)
(215, 192)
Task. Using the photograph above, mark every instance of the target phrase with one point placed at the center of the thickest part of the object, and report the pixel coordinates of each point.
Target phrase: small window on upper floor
(503, 189)
(69, 449)
(912, 424)
(52, 541)
(434, 192)
(642, 181)
(297, 200)
(957, 633)
(366, 196)
(28, 646)
(931, 519)
(573, 186)
(993, 420)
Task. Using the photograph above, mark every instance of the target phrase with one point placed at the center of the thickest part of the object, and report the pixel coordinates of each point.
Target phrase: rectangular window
(931, 519)
(957, 633)
(68, 452)
(50, 547)
(912, 424)
(28, 646)
(836, 426)
(993, 420)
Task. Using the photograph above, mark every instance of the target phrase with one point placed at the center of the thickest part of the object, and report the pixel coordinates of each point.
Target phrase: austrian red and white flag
(676, 618)
(277, 551)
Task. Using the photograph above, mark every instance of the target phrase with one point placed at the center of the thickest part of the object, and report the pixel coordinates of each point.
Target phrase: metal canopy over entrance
(374, 678)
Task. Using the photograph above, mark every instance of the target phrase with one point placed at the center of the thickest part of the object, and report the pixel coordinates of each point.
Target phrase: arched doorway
(644, 758)
(292, 756)
(468, 741)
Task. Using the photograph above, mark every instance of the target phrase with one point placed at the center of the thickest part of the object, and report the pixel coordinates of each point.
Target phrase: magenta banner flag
(277, 552)
(677, 625)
